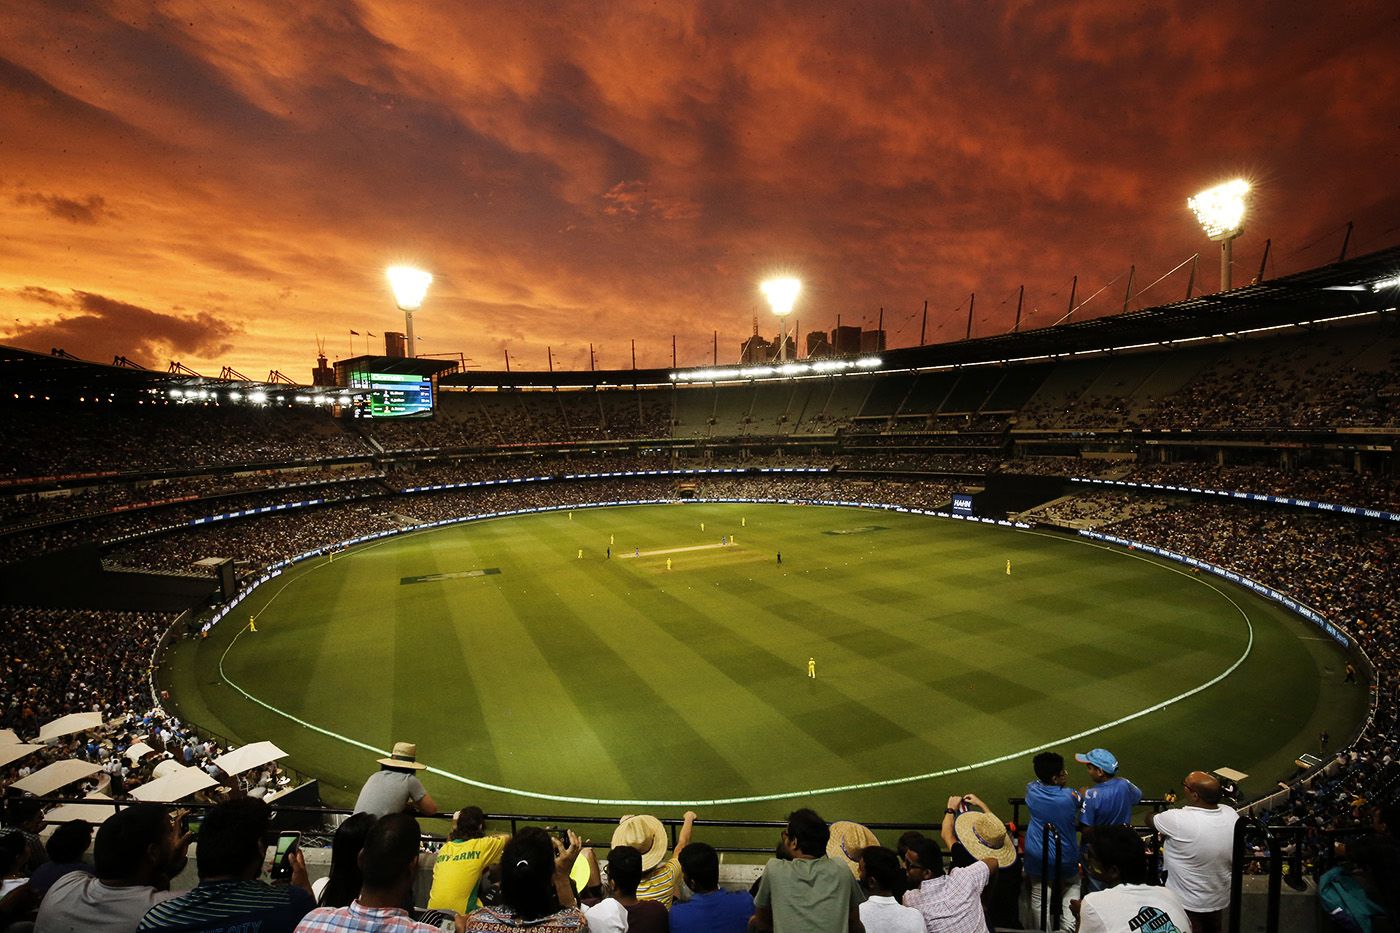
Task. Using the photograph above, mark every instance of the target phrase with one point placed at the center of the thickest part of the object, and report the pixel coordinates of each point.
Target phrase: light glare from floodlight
(1220, 210)
(410, 285)
(781, 293)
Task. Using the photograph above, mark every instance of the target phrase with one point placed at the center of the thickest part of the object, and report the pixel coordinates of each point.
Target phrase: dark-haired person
(950, 902)
(624, 874)
(1198, 849)
(17, 897)
(230, 896)
(808, 893)
(65, 848)
(711, 909)
(463, 860)
(1116, 858)
(884, 881)
(389, 863)
(134, 854)
(343, 883)
(535, 890)
(1052, 803)
(24, 815)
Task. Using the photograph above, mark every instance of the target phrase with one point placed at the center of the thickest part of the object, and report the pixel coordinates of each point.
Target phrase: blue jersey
(1058, 806)
(1110, 803)
(714, 912)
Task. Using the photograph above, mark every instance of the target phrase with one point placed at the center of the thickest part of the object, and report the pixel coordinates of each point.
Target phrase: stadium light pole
(1220, 212)
(410, 285)
(782, 295)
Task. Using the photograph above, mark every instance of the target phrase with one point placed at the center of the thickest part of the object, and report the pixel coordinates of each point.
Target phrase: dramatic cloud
(95, 326)
(579, 172)
(89, 210)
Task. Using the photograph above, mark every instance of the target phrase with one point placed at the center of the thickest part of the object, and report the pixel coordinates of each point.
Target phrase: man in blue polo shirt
(230, 895)
(711, 909)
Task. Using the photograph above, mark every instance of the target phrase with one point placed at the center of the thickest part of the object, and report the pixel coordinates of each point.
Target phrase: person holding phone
(232, 847)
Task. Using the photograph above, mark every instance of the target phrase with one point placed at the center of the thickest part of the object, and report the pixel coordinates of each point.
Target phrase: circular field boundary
(783, 795)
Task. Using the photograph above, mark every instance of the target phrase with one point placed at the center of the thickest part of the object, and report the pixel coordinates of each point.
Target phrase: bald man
(1198, 845)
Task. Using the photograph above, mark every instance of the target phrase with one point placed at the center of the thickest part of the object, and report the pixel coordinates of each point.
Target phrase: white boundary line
(788, 795)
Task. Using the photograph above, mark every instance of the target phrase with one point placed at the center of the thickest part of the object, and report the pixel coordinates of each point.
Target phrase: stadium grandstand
(147, 520)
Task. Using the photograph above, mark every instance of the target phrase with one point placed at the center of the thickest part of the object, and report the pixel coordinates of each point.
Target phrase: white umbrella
(9, 753)
(67, 725)
(168, 766)
(174, 786)
(138, 751)
(95, 813)
(248, 757)
(59, 774)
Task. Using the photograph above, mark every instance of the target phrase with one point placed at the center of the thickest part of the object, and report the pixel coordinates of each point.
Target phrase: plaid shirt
(357, 919)
(952, 903)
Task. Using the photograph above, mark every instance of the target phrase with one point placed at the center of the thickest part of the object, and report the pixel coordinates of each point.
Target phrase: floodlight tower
(1220, 211)
(782, 295)
(409, 285)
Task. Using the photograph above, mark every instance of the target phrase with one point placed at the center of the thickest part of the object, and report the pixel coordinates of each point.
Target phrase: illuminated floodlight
(1383, 284)
(1220, 210)
(410, 286)
(257, 398)
(781, 293)
(176, 393)
(235, 396)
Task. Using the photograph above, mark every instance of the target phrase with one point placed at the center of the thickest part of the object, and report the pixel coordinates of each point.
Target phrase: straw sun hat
(646, 835)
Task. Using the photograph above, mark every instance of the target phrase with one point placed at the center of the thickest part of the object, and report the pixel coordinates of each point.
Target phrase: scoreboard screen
(393, 395)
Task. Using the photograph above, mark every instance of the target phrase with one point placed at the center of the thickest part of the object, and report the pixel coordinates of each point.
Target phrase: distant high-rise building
(818, 345)
(322, 375)
(872, 341)
(394, 344)
(845, 340)
(755, 350)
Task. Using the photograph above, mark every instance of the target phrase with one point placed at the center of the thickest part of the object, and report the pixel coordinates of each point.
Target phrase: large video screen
(392, 395)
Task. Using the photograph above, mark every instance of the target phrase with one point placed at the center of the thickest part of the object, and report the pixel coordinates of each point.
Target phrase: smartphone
(281, 857)
(191, 824)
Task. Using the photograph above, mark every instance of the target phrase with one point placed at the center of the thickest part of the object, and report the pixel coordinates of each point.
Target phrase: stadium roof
(1330, 291)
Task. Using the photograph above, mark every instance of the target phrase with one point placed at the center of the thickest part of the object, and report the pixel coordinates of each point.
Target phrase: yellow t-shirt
(660, 883)
(457, 870)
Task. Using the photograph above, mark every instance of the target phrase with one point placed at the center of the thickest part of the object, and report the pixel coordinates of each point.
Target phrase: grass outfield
(620, 680)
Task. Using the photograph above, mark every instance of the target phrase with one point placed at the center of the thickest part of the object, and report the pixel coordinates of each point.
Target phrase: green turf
(619, 679)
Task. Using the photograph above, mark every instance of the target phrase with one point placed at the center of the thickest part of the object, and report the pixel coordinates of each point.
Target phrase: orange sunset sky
(222, 183)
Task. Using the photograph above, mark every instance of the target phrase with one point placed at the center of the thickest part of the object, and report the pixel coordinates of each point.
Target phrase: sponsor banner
(1357, 510)
(1307, 612)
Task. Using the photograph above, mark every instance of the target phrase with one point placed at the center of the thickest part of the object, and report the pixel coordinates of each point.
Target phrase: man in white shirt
(1116, 858)
(135, 854)
(881, 875)
(1198, 847)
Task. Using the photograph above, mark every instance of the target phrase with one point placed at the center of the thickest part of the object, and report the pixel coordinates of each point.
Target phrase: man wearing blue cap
(1110, 801)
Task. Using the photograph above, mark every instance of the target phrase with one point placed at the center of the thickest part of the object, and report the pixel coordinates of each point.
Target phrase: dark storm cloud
(94, 327)
(88, 210)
